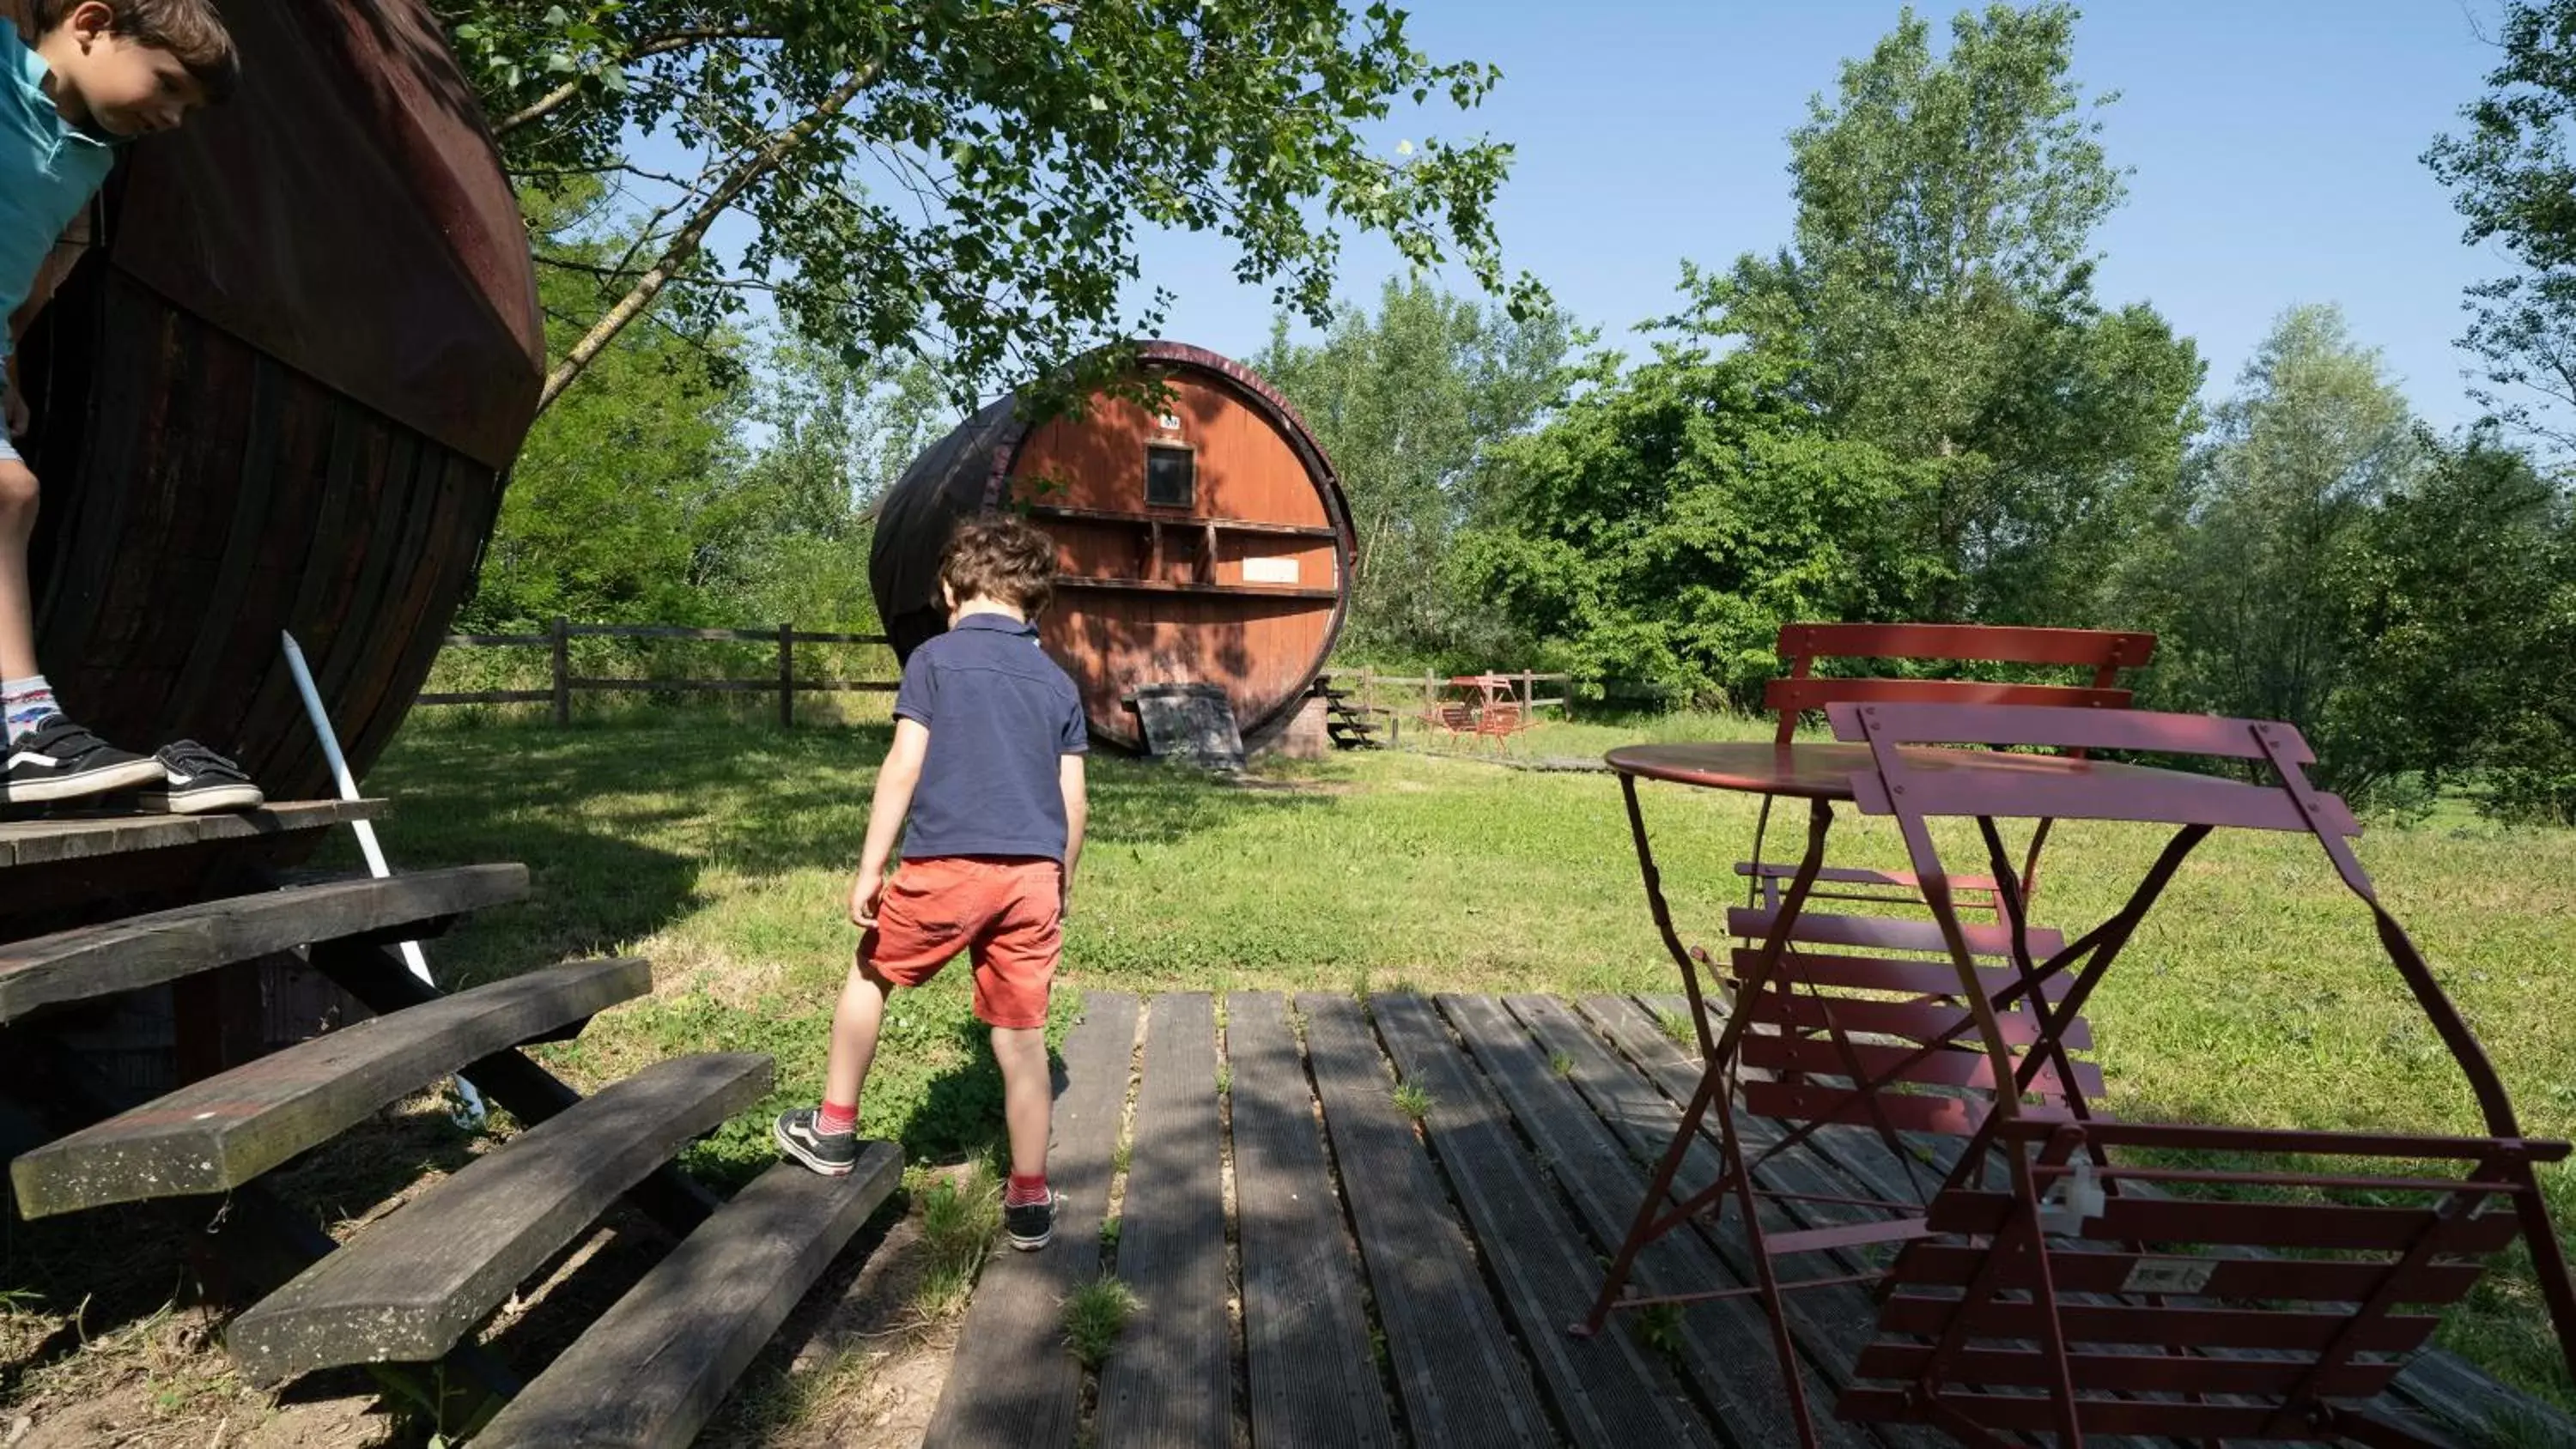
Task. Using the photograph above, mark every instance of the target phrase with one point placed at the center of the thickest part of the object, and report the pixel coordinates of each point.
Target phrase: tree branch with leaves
(973, 180)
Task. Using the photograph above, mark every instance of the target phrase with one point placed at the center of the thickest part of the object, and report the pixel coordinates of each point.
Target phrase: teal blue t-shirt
(49, 169)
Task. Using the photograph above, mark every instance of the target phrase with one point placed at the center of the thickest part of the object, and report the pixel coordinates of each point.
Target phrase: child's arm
(1077, 814)
(895, 781)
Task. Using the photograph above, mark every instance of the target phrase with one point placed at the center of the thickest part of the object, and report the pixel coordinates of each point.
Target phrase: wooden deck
(1318, 1269)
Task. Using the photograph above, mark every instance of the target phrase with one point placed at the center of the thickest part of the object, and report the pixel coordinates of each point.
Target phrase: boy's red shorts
(1007, 912)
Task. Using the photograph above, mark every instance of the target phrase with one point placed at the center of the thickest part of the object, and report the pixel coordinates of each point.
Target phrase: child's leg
(17, 607)
(855, 1023)
(1028, 1097)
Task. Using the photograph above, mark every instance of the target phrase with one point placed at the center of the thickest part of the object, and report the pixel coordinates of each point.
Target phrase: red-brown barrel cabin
(1208, 543)
(279, 390)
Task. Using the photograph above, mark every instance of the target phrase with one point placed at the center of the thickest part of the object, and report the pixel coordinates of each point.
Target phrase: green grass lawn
(2257, 993)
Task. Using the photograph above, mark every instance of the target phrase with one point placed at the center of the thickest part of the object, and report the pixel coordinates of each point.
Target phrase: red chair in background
(1804, 691)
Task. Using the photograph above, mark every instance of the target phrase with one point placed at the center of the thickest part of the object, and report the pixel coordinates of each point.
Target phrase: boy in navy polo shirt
(987, 768)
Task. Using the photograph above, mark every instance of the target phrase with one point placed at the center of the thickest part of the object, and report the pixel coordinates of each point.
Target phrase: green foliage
(1414, 1100)
(1096, 1312)
(2248, 588)
(1659, 532)
(2462, 594)
(1936, 302)
(958, 1221)
(2511, 175)
(695, 478)
(599, 520)
(967, 179)
(1409, 405)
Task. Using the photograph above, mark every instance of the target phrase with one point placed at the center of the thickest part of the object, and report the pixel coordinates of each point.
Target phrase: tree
(1656, 535)
(793, 526)
(966, 179)
(1409, 405)
(2514, 180)
(2249, 587)
(600, 521)
(2463, 601)
(1936, 300)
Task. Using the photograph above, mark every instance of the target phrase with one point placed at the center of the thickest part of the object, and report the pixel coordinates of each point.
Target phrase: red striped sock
(1021, 1191)
(836, 1119)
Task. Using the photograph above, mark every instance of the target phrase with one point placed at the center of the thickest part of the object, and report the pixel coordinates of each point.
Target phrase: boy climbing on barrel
(987, 767)
(88, 76)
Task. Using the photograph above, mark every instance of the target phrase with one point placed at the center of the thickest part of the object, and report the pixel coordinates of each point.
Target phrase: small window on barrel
(1171, 475)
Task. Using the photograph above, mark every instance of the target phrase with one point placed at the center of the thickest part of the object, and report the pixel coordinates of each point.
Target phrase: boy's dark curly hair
(1001, 558)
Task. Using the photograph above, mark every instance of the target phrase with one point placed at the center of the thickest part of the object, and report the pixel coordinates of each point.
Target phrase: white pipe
(366, 830)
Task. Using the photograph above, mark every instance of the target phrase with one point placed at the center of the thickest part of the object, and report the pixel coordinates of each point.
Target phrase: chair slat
(1887, 933)
(1815, 691)
(2085, 648)
(1895, 973)
(1934, 1264)
(2326, 1225)
(2129, 1373)
(1814, 1056)
(1905, 1111)
(2134, 1323)
(2210, 1422)
(1912, 1021)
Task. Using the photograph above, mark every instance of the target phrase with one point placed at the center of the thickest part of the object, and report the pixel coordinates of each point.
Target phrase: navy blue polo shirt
(1000, 715)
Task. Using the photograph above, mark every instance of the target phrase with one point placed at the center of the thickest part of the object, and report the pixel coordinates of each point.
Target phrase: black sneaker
(832, 1154)
(1032, 1224)
(199, 780)
(62, 761)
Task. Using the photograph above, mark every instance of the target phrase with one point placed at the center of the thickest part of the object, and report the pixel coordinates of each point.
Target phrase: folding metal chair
(1803, 691)
(2289, 1268)
(1838, 1023)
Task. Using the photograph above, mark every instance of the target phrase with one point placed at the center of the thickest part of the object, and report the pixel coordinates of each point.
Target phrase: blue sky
(2274, 145)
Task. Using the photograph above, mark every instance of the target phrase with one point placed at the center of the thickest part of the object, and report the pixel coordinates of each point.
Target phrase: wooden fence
(559, 640)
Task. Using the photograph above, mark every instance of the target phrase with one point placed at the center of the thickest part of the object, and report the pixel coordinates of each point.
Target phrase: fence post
(563, 670)
(787, 676)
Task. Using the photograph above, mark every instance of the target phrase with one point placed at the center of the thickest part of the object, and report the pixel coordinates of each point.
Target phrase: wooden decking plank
(139, 951)
(652, 1370)
(1607, 1388)
(228, 1129)
(1011, 1381)
(412, 1286)
(1831, 1324)
(1171, 1380)
(1306, 1336)
(1726, 1345)
(53, 838)
(1462, 1383)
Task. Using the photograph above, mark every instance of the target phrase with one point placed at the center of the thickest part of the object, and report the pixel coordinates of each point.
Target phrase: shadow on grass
(615, 822)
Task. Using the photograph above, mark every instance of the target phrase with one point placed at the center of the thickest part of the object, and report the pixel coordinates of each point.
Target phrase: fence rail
(566, 683)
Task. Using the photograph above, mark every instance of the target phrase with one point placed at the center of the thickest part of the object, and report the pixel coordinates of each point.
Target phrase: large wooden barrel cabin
(279, 390)
(1208, 543)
